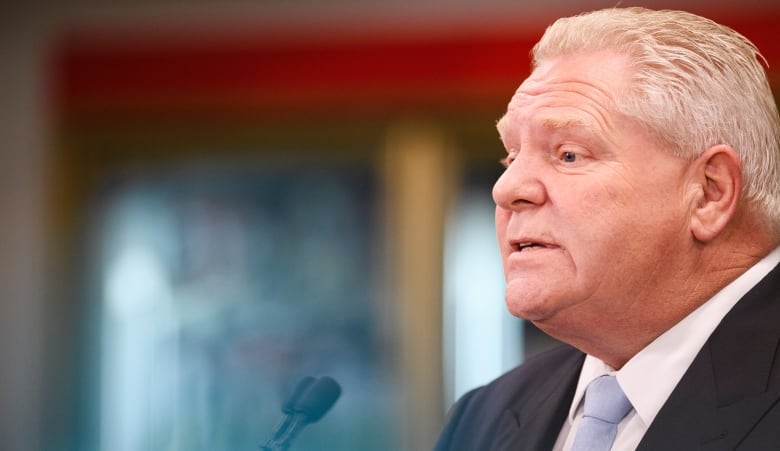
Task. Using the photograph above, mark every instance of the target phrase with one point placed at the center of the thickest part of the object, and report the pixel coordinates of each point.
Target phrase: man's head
(633, 150)
(694, 82)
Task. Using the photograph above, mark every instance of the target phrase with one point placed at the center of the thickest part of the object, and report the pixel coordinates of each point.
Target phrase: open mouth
(525, 247)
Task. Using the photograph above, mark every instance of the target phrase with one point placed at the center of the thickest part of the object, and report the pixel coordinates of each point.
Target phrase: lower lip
(531, 252)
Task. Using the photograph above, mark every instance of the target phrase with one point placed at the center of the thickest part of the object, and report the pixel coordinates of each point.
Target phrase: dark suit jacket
(727, 400)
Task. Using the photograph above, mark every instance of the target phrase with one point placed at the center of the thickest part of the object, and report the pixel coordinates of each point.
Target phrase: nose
(520, 186)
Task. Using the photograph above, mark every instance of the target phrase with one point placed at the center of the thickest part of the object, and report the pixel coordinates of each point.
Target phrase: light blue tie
(605, 406)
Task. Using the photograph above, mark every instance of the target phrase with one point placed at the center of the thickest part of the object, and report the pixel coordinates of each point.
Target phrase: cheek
(624, 236)
(592, 210)
(618, 204)
(598, 224)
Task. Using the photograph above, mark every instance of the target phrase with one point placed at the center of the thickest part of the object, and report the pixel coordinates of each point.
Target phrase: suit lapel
(731, 383)
(533, 424)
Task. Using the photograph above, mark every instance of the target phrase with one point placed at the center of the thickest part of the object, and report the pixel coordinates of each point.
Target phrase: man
(638, 220)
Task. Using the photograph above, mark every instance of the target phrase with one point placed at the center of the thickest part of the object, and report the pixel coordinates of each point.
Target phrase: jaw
(614, 344)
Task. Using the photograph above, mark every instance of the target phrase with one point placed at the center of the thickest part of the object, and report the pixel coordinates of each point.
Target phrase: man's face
(591, 212)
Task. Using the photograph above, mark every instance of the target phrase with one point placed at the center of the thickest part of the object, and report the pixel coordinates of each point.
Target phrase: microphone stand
(281, 431)
(281, 441)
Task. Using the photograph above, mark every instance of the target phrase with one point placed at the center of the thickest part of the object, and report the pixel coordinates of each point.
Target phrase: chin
(528, 309)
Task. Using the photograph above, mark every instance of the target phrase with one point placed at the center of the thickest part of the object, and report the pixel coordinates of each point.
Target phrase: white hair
(696, 84)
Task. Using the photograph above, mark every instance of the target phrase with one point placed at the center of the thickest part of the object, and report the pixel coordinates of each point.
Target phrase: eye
(571, 155)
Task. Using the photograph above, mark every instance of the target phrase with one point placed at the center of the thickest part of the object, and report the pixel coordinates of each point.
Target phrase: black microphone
(318, 398)
(309, 402)
(288, 408)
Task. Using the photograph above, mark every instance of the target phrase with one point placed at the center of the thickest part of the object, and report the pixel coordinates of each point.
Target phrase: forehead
(573, 91)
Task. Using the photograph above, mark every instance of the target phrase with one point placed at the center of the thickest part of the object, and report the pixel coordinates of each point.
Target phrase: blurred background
(205, 201)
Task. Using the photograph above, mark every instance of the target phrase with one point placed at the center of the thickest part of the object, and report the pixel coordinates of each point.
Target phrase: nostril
(518, 189)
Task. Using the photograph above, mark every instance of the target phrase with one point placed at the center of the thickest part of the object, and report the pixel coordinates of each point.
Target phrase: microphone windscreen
(289, 406)
(318, 398)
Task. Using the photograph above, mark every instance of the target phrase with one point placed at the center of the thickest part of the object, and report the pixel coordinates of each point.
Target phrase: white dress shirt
(650, 376)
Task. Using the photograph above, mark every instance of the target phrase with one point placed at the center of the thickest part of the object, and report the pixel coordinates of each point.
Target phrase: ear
(719, 172)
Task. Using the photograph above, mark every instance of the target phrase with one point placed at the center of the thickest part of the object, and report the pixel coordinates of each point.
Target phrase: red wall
(133, 71)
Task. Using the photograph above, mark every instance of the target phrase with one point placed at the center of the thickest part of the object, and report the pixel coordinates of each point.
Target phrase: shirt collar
(591, 369)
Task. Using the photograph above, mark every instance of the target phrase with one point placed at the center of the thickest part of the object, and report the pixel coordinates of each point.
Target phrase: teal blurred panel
(218, 288)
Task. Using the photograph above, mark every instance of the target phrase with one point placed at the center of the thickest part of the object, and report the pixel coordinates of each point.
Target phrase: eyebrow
(566, 122)
(553, 123)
